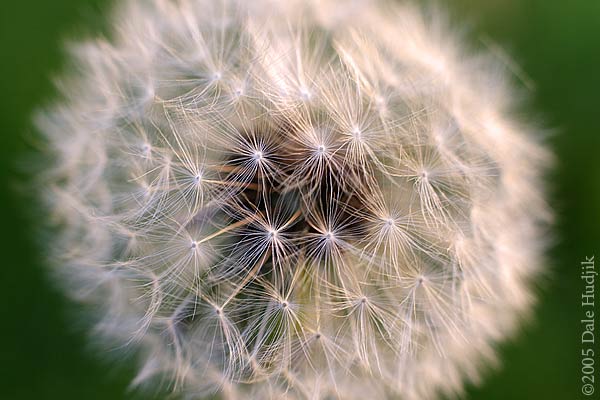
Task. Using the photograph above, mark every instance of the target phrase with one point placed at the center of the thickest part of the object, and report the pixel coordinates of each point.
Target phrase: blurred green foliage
(556, 43)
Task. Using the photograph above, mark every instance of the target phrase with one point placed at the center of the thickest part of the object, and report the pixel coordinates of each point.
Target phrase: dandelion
(299, 200)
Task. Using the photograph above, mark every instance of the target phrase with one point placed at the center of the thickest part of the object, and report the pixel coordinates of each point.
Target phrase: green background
(43, 355)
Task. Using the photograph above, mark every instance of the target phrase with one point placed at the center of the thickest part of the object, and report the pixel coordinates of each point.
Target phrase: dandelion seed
(258, 156)
(305, 94)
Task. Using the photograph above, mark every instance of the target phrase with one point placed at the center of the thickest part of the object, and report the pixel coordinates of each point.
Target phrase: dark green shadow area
(557, 44)
(44, 356)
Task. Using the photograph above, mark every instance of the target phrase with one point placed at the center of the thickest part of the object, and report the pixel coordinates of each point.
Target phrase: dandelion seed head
(276, 199)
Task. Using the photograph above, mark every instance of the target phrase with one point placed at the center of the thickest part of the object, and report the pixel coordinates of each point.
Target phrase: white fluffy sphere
(294, 199)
